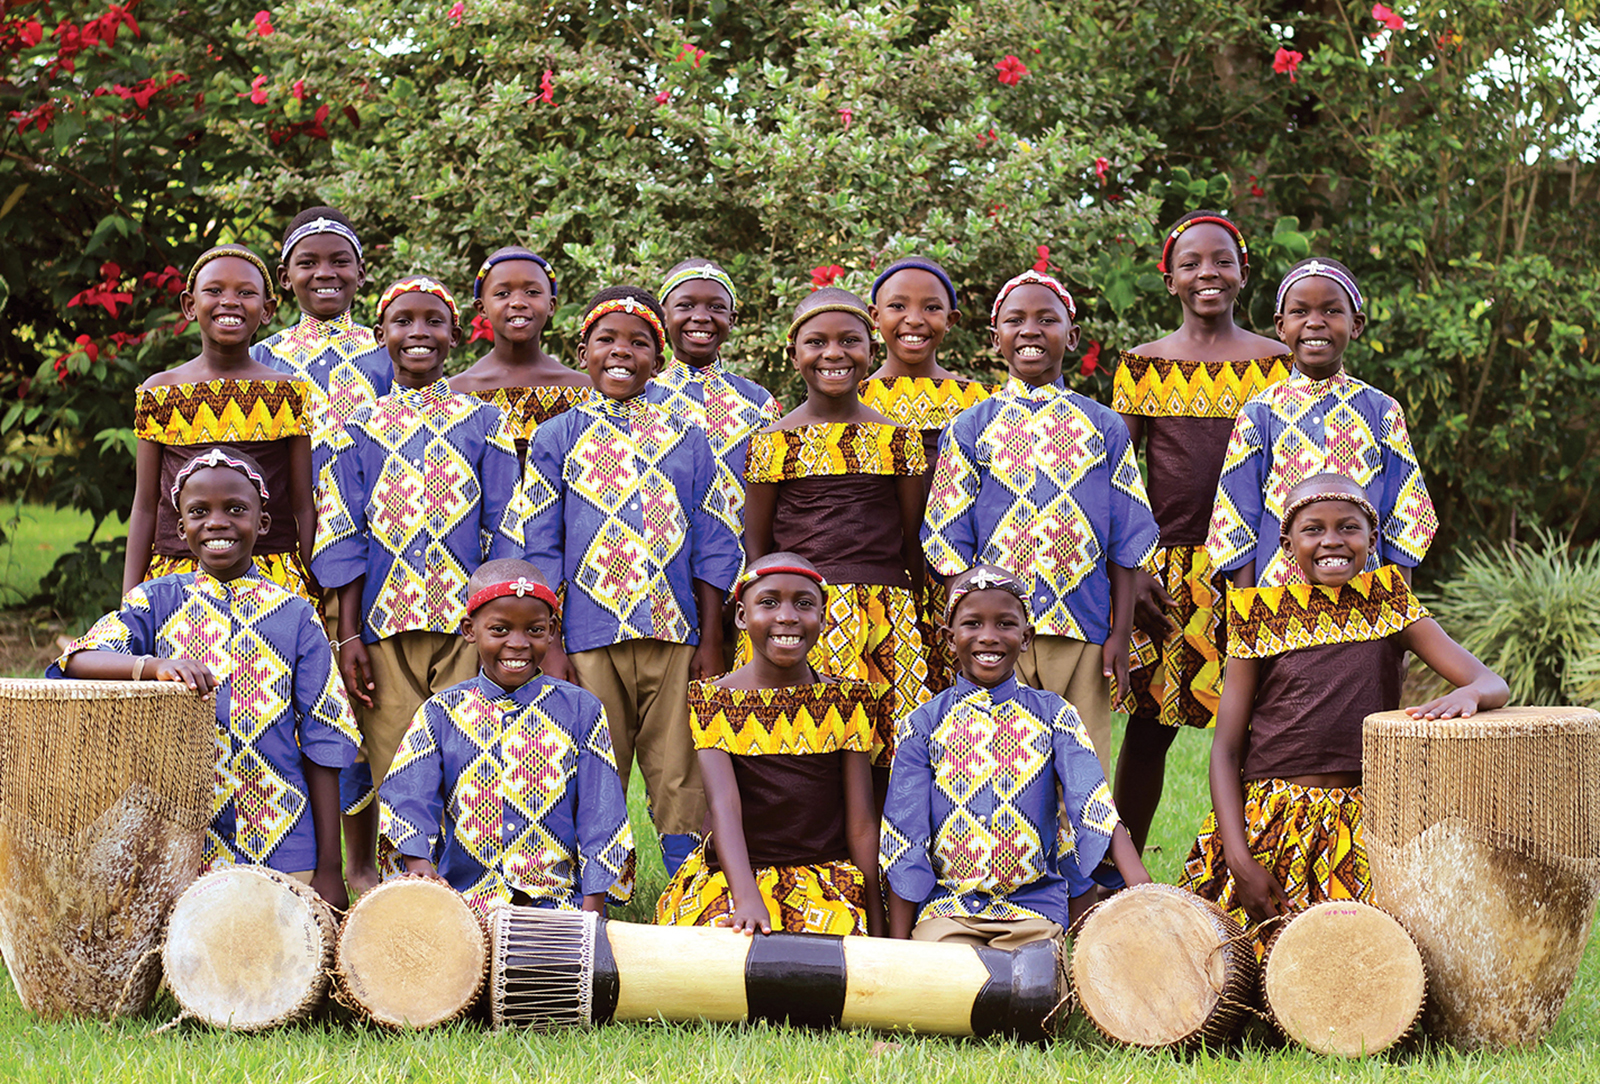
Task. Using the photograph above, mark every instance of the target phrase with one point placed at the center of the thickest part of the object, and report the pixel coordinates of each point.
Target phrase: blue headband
(519, 254)
(1318, 269)
(919, 264)
(316, 226)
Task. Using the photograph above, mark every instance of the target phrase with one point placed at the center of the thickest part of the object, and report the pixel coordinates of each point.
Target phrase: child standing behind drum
(979, 846)
(504, 786)
(1306, 664)
(784, 753)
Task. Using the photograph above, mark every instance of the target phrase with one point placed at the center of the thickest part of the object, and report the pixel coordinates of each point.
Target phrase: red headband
(521, 587)
(755, 574)
(1215, 220)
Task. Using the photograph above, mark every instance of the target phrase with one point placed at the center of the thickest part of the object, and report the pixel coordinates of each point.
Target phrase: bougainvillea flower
(1091, 359)
(1100, 167)
(263, 24)
(481, 329)
(1011, 70)
(457, 11)
(1042, 264)
(1387, 17)
(663, 97)
(824, 275)
(1287, 62)
(547, 87)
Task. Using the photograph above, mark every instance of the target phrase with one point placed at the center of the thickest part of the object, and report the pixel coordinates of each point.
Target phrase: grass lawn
(34, 537)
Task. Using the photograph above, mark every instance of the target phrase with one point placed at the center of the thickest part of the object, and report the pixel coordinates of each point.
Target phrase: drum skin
(411, 954)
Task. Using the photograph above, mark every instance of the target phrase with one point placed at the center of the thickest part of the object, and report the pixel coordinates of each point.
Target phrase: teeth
(699, 336)
(218, 544)
(786, 641)
(1314, 342)
(417, 351)
(513, 664)
(988, 658)
(618, 372)
(326, 291)
(1332, 562)
(913, 340)
(518, 321)
(1210, 291)
(1030, 351)
(230, 321)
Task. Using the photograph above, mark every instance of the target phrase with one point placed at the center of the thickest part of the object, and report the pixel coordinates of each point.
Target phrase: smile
(618, 372)
(229, 320)
(1314, 343)
(913, 340)
(518, 321)
(218, 545)
(1030, 353)
(987, 658)
(515, 664)
(328, 291)
(784, 640)
(417, 351)
(835, 372)
(1209, 291)
(1332, 562)
(700, 336)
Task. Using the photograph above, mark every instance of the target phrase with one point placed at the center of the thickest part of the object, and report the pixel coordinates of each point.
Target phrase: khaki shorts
(1005, 934)
(408, 668)
(1073, 670)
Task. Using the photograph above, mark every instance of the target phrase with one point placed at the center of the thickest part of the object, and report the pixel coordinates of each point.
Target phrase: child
(914, 304)
(284, 729)
(784, 753)
(1043, 480)
(424, 488)
(1182, 393)
(222, 397)
(1306, 664)
(1320, 419)
(624, 511)
(978, 847)
(841, 485)
(504, 786)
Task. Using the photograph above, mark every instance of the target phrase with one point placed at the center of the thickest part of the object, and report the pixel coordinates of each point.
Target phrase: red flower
(1042, 264)
(258, 90)
(663, 97)
(457, 11)
(1255, 189)
(298, 91)
(1287, 62)
(352, 116)
(481, 329)
(1091, 359)
(847, 115)
(1100, 167)
(39, 117)
(691, 54)
(169, 278)
(824, 275)
(32, 33)
(989, 138)
(263, 24)
(1011, 70)
(1387, 17)
(547, 87)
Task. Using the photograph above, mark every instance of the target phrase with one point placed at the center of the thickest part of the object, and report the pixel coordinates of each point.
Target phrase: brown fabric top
(1185, 458)
(1310, 705)
(273, 455)
(793, 809)
(848, 525)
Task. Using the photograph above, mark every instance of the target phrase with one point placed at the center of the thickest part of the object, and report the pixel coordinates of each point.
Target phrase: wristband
(138, 667)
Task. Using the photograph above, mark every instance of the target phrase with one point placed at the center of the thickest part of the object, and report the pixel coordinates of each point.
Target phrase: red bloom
(258, 90)
(663, 97)
(39, 117)
(457, 11)
(547, 87)
(1100, 167)
(32, 33)
(824, 275)
(691, 54)
(481, 329)
(298, 91)
(847, 115)
(1042, 264)
(1255, 189)
(1387, 17)
(1287, 62)
(1091, 359)
(1011, 70)
(263, 24)
(169, 278)
(352, 116)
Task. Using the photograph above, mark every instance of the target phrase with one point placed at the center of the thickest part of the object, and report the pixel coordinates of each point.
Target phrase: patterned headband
(238, 252)
(504, 257)
(986, 579)
(1030, 277)
(1200, 220)
(216, 457)
(754, 574)
(522, 587)
(702, 271)
(837, 306)
(419, 284)
(1357, 499)
(316, 226)
(633, 307)
(914, 264)
(1320, 270)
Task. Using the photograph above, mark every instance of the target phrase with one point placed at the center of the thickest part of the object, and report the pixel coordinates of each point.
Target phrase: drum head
(412, 954)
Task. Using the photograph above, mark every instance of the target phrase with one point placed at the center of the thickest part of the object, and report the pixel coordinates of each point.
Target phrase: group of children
(864, 653)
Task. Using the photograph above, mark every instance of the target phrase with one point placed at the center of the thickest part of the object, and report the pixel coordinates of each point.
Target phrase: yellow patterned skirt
(283, 569)
(830, 897)
(942, 667)
(1179, 682)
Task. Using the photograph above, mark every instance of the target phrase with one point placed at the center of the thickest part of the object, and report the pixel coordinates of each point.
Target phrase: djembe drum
(105, 793)
(411, 954)
(1483, 836)
(554, 968)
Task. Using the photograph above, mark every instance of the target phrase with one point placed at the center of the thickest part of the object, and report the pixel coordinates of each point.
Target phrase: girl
(914, 304)
(784, 755)
(223, 396)
(1306, 664)
(1181, 393)
(841, 485)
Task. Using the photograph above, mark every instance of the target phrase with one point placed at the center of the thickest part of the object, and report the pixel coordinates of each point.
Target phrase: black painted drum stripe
(606, 983)
(1024, 985)
(989, 1008)
(795, 977)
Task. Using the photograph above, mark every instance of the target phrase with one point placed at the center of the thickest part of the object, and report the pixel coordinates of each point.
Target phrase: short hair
(503, 570)
(1322, 267)
(639, 296)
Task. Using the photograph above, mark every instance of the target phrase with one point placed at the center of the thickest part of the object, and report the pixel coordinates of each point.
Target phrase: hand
(706, 662)
(1114, 664)
(748, 920)
(1150, 605)
(1258, 891)
(355, 666)
(194, 674)
(1460, 702)
(329, 884)
(423, 868)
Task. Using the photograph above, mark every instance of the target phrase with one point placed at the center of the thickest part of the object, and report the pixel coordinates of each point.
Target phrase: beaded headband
(506, 257)
(1318, 269)
(754, 574)
(914, 263)
(836, 306)
(1030, 277)
(216, 457)
(522, 587)
(316, 226)
(633, 307)
(986, 579)
(419, 284)
(701, 271)
(1356, 499)
(238, 252)
(1201, 220)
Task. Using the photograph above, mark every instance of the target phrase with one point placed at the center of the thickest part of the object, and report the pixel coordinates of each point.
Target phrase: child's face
(219, 518)
(1317, 323)
(324, 274)
(988, 631)
(418, 332)
(832, 352)
(512, 635)
(1205, 271)
(620, 355)
(913, 313)
(1330, 541)
(782, 613)
(699, 317)
(1033, 333)
(517, 301)
(229, 302)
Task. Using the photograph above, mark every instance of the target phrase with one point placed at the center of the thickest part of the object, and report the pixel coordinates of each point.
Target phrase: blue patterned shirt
(339, 356)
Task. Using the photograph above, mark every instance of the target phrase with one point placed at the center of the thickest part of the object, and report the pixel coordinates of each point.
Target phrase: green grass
(34, 537)
(34, 1051)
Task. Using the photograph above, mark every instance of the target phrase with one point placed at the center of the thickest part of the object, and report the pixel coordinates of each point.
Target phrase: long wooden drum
(411, 954)
(1484, 840)
(248, 948)
(1344, 978)
(1156, 966)
(105, 792)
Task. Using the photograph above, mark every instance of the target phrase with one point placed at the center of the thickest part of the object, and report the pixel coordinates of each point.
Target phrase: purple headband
(916, 263)
(216, 457)
(1030, 277)
(1319, 269)
(504, 257)
(989, 579)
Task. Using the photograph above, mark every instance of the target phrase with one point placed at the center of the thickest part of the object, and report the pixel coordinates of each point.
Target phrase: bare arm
(322, 788)
(142, 516)
(115, 666)
(1258, 890)
(1114, 653)
(861, 833)
(355, 665)
(760, 499)
(1476, 686)
(304, 501)
(1245, 575)
(1135, 424)
(727, 826)
(707, 660)
(902, 916)
(1125, 856)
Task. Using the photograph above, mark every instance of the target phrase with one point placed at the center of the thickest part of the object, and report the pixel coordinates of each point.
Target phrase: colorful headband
(989, 580)
(913, 263)
(505, 257)
(1318, 269)
(316, 226)
(754, 574)
(1214, 220)
(1030, 277)
(419, 284)
(633, 307)
(702, 271)
(836, 306)
(238, 252)
(216, 457)
(1356, 499)
(522, 587)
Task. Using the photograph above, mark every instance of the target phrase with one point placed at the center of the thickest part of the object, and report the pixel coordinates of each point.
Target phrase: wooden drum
(1344, 978)
(411, 954)
(105, 793)
(1484, 840)
(248, 948)
(1156, 966)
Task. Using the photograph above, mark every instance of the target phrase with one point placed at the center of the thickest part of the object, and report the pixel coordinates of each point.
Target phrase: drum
(105, 793)
(1156, 966)
(1483, 836)
(1343, 978)
(411, 954)
(563, 968)
(248, 948)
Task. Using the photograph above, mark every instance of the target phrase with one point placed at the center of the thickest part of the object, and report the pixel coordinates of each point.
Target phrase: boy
(1041, 479)
(970, 835)
(504, 787)
(423, 490)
